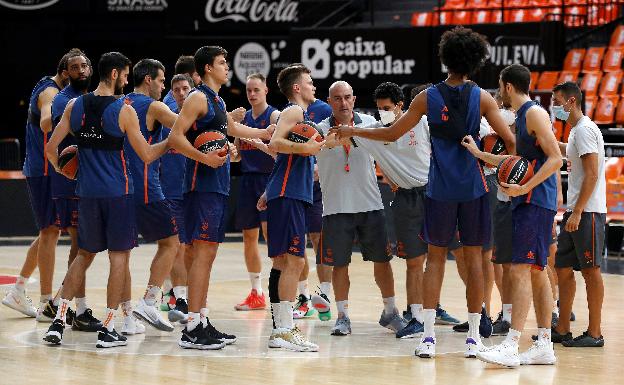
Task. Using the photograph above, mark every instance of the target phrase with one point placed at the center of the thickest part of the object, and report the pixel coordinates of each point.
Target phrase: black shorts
(408, 211)
(582, 248)
(339, 233)
(491, 196)
(155, 221)
(502, 233)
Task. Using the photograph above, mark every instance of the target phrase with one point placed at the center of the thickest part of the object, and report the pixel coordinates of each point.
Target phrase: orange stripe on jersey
(45, 156)
(482, 175)
(194, 176)
(123, 164)
(286, 175)
(149, 141)
(528, 200)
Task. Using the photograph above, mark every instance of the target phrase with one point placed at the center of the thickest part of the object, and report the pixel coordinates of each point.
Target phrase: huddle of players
(456, 195)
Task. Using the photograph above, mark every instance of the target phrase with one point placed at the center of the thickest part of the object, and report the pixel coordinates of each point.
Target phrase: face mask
(387, 117)
(560, 113)
(508, 116)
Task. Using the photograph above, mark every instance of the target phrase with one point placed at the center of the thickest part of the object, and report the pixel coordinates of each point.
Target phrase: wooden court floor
(372, 355)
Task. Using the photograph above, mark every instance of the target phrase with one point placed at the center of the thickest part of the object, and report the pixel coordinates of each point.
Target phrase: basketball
(303, 131)
(493, 144)
(68, 161)
(210, 141)
(515, 170)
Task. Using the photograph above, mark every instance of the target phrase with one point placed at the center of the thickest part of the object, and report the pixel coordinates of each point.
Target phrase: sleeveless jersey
(201, 177)
(544, 194)
(36, 162)
(454, 173)
(146, 176)
(172, 166)
(319, 111)
(170, 101)
(102, 170)
(252, 159)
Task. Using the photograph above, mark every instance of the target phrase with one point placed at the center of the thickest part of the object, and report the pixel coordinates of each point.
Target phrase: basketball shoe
(426, 349)
(292, 340)
(110, 339)
(152, 316)
(179, 312)
(302, 307)
(199, 339)
(322, 305)
(540, 353)
(54, 335)
(212, 332)
(504, 354)
(86, 322)
(444, 318)
(168, 300)
(47, 313)
(132, 326)
(393, 321)
(412, 329)
(252, 302)
(342, 326)
(18, 300)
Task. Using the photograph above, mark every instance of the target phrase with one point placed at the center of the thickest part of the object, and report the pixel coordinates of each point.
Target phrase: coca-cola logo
(246, 11)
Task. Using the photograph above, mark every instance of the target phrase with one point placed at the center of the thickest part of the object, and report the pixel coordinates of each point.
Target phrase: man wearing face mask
(582, 235)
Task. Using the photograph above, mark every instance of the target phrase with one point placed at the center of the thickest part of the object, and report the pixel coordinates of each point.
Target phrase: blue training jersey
(172, 168)
(254, 160)
(36, 162)
(170, 101)
(318, 111)
(544, 194)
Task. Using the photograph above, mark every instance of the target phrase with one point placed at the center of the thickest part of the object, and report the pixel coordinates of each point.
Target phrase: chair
(591, 82)
(454, 4)
(610, 84)
(605, 110)
(613, 59)
(617, 37)
(481, 17)
(574, 59)
(547, 80)
(574, 16)
(534, 79)
(619, 114)
(422, 19)
(593, 59)
(462, 17)
(567, 76)
(590, 104)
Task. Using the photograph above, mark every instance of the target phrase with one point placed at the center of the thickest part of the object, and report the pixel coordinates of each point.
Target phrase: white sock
(507, 312)
(303, 288)
(45, 298)
(20, 283)
(513, 337)
(126, 308)
(179, 292)
(57, 297)
(326, 288)
(473, 325)
(275, 311)
(167, 285)
(81, 305)
(389, 305)
(109, 320)
(428, 322)
(556, 310)
(256, 282)
(343, 308)
(286, 315)
(203, 316)
(544, 335)
(417, 312)
(193, 321)
(151, 295)
(61, 313)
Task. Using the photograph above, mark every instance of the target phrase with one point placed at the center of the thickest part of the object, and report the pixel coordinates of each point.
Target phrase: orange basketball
(493, 144)
(68, 161)
(210, 141)
(303, 131)
(515, 170)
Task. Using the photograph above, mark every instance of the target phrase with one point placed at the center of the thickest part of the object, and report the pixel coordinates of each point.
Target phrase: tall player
(207, 185)
(36, 169)
(456, 188)
(101, 122)
(256, 167)
(534, 206)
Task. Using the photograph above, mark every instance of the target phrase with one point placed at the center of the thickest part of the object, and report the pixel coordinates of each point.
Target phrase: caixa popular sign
(252, 11)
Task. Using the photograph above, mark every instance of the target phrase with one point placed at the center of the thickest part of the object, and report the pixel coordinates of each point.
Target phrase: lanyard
(347, 150)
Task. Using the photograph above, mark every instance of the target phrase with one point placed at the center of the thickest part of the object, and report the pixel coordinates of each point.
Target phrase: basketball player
(184, 65)
(155, 220)
(207, 185)
(64, 189)
(36, 170)
(288, 192)
(582, 235)
(534, 205)
(352, 206)
(101, 122)
(256, 167)
(456, 188)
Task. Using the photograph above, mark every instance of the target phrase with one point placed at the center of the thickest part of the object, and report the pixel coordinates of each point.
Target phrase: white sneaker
(132, 326)
(304, 339)
(473, 346)
(152, 316)
(45, 312)
(504, 354)
(272, 343)
(287, 339)
(540, 353)
(426, 349)
(18, 300)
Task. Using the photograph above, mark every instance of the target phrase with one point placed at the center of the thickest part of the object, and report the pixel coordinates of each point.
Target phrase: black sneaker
(180, 312)
(500, 327)
(584, 341)
(212, 332)
(199, 339)
(556, 337)
(86, 322)
(70, 316)
(54, 335)
(461, 328)
(485, 325)
(554, 321)
(50, 311)
(110, 339)
(572, 315)
(407, 314)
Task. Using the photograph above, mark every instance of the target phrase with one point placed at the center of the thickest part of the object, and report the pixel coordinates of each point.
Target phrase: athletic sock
(179, 292)
(20, 283)
(303, 288)
(343, 308)
(109, 321)
(389, 305)
(556, 310)
(126, 308)
(193, 321)
(513, 337)
(62, 310)
(57, 296)
(326, 288)
(151, 294)
(203, 316)
(44, 298)
(286, 315)
(274, 277)
(81, 305)
(428, 322)
(167, 285)
(544, 335)
(507, 312)
(417, 312)
(256, 282)
(473, 325)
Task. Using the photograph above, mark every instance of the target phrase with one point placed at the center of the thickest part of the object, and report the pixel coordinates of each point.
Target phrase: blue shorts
(66, 212)
(471, 219)
(314, 213)
(286, 227)
(205, 216)
(155, 221)
(40, 193)
(177, 210)
(107, 224)
(252, 186)
(532, 234)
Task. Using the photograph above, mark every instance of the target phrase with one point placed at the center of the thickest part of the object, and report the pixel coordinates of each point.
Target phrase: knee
(50, 233)
(415, 265)
(565, 274)
(170, 244)
(591, 274)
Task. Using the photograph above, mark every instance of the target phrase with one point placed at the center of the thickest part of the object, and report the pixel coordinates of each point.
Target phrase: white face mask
(386, 117)
(508, 116)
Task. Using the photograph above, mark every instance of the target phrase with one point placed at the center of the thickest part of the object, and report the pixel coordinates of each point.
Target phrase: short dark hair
(181, 77)
(112, 61)
(144, 68)
(185, 65)
(418, 88)
(463, 51)
(569, 89)
(206, 55)
(289, 76)
(388, 90)
(257, 75)
(72, 53)
(518, 76)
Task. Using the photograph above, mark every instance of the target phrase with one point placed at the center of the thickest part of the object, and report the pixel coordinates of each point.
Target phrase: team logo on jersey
(444, 114)
(27, 5)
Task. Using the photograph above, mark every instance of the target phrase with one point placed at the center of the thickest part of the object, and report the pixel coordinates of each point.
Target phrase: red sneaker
(252, 302)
